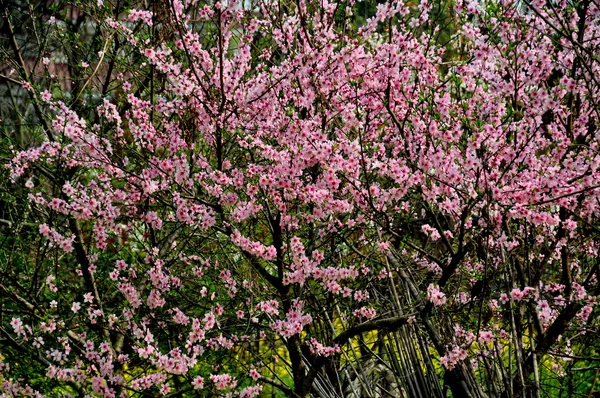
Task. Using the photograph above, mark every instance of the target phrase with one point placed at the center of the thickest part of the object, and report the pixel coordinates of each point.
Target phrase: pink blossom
(155, 300)
(365, 312)
(251, 392)
(46, 96)
(254, 374)
(223, 381)
(436, 296)
(17, 326)
(76, 307)
(198, 383)
(453, 357)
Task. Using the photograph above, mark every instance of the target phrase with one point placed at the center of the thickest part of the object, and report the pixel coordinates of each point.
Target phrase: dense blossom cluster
(273, 200)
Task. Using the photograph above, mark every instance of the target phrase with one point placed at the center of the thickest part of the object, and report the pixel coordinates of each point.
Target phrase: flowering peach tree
(236, 198)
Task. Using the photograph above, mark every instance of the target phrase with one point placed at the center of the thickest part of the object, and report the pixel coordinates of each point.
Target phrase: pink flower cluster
(223, 381)
(293, 323)
(435, 295)
(453, 358)
(139, 15)
(53, 236)
(321, 350)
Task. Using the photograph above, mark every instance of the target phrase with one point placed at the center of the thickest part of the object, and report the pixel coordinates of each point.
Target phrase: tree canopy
(300, 198)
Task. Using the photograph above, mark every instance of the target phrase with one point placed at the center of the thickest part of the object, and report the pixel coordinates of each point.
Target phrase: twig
(95, 69)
